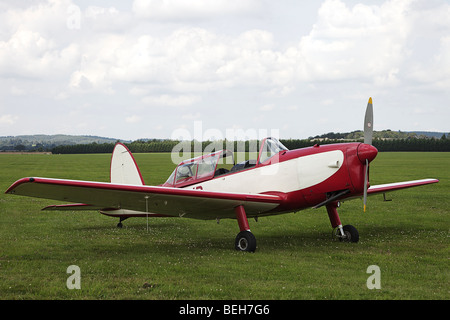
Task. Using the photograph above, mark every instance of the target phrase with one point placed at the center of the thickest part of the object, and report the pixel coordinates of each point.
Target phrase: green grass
(191, 259)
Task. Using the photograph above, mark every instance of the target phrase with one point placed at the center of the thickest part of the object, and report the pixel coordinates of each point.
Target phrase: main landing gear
(347, 233)
(245, 240)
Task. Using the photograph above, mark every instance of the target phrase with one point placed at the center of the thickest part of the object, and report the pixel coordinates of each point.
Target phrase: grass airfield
(180, 258)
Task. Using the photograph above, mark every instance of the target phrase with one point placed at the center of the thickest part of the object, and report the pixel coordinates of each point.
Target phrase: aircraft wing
(383, 188)
(191, 203)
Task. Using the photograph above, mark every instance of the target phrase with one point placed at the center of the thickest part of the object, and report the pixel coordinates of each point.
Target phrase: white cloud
(363, 41)
(225, 54)
(16, 91)
(366, 42)
(255, 40)
(191, 116)
(8, 119)
(435, 72)
(166, 100)
(327, 102)
(193, 9)
(133, 119)
(267, 107)
(28, 53)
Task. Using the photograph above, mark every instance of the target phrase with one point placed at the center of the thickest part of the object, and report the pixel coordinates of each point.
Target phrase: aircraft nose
(366, 152)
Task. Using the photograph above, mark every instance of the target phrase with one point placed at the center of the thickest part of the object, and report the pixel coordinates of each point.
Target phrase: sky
(222, 68)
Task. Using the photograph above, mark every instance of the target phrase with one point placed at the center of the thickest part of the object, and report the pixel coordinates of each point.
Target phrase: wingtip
(370, 100)
(11, 189)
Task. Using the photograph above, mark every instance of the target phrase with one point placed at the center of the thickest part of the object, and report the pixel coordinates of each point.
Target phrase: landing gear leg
(120, 225)
(347, 233)
(245, 240)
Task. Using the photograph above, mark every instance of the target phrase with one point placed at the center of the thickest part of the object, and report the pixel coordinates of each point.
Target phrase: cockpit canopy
(206, 167)
(199, 169)
(269, 148)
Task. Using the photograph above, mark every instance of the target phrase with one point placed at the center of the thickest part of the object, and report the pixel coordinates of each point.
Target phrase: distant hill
(436, 135)
(385, 134)
(43, 142)
(61, 143)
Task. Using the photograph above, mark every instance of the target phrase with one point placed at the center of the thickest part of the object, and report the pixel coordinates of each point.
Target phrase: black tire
(351, 234)
(245, 241)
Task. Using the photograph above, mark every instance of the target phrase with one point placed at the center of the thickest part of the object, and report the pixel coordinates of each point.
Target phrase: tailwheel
(120, 225)
(347, 233)
(245, 241)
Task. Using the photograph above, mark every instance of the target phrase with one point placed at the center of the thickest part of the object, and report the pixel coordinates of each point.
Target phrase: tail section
(124, 169)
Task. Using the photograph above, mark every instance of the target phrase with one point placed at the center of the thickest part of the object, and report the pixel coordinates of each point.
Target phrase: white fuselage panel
(287, 176)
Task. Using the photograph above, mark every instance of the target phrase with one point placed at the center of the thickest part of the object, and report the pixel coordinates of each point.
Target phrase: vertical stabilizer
(124, 169)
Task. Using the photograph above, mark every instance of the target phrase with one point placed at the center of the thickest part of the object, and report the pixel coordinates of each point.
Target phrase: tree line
(141, 146)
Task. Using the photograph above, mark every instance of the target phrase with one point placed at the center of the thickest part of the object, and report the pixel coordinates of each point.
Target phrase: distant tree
(19, 147)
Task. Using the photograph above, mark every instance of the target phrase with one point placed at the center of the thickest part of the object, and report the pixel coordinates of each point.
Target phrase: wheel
(120, 225)
(245, 241)
(351, 234)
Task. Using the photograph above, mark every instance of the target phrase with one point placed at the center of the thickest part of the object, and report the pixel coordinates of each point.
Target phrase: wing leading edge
(383, 188)
(389, 187)
(192, 203)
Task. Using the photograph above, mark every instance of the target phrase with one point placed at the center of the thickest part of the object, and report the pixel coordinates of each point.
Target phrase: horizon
(147, 138)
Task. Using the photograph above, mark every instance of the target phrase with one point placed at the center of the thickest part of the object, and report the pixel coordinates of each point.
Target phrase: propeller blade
(368, 123)
(366, 178)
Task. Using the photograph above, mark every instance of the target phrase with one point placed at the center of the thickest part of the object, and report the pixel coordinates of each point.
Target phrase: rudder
(124, 169)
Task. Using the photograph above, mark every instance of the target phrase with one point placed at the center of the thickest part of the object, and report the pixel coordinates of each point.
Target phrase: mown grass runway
(177, 258)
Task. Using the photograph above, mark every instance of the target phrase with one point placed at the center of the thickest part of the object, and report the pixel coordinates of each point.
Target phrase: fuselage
(302, 177)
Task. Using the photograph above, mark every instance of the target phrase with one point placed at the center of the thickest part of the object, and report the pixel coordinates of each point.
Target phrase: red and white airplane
(278, 181)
